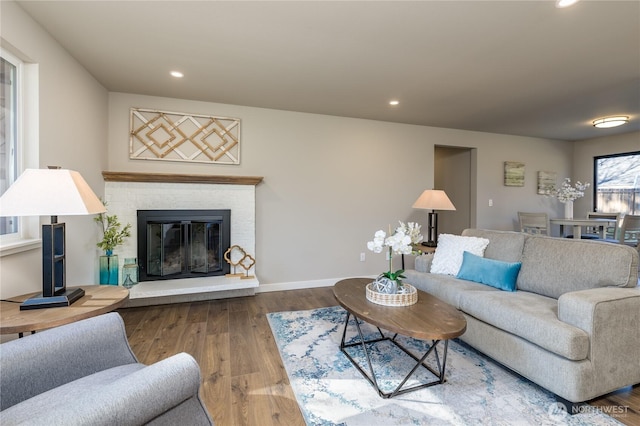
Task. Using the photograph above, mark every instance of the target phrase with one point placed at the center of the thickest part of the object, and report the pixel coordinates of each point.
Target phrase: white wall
(73, 134)
(331, 182)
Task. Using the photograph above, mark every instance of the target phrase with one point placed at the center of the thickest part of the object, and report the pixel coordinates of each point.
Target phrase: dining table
(578, 224)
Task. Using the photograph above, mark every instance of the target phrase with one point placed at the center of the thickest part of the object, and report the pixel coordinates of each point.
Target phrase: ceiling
(512, 67)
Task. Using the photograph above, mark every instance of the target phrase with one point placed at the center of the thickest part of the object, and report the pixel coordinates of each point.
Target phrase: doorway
(455, 172)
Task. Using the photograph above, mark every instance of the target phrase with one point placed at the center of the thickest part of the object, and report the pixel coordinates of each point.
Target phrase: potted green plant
(113, 235)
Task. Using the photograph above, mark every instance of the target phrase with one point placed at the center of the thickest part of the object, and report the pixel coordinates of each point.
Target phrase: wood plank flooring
(243, 379)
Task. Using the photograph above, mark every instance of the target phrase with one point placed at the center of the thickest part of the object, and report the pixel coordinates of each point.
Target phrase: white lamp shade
(50, 192)
(434, 199)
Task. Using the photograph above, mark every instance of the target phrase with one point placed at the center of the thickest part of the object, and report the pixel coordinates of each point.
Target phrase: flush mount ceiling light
(394, 103)
(607, 122)
(177, 74)
(565, 3)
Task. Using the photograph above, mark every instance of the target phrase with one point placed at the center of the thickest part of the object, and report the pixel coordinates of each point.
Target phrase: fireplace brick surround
(126, 193)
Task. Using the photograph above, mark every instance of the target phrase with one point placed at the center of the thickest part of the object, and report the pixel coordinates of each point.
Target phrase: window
(18, 145)
(617, 183)
(9, 145)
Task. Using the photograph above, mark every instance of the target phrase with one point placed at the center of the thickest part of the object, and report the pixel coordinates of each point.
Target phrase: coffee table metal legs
(371, 377)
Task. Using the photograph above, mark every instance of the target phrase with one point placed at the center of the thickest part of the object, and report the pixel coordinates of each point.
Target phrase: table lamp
(51, 192)
(433, 199)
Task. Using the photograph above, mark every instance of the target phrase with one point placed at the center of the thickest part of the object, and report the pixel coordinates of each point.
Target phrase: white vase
(568, 210)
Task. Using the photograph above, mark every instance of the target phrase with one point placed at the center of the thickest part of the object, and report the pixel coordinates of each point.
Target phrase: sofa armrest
(133, 399)
(423, 262)
(43, 361)
(611, 317)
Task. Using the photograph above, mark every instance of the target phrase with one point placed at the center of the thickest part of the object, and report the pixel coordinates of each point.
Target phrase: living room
(329, 182)
(319, 171)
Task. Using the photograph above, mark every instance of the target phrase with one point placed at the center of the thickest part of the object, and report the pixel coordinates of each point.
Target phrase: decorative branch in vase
(567, 194)
(113, 235)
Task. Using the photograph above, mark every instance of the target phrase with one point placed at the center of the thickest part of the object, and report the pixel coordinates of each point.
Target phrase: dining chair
(611, 232)
(630, 230)
(534, 223)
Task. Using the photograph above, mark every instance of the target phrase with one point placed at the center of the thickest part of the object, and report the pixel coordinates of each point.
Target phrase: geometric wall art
(175, 136)
(513, 173)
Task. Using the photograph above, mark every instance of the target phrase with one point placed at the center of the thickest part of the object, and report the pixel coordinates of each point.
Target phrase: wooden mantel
(179, 178)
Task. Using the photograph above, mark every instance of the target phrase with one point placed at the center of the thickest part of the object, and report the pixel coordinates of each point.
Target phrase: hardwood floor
(244, 381)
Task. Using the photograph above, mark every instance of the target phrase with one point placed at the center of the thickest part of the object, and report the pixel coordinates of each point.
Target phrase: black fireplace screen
(182, 243)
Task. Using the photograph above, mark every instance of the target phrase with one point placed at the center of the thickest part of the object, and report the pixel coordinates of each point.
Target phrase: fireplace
(174, 244)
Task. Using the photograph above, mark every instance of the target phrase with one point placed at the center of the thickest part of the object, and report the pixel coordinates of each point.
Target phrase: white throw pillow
(448, 257)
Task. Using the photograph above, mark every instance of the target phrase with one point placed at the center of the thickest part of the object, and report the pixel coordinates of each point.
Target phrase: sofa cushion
(448, 256)
(496, 273)
(554, 266)
(444, 287)
(423, 262)
(529, 316)
(503, 245)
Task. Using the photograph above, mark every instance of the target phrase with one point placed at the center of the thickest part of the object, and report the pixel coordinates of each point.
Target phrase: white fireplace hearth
(126, 193)
(190, 290)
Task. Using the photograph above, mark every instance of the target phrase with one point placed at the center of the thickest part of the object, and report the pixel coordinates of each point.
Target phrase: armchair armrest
(133, 399)
(611, 317)
(43, 361)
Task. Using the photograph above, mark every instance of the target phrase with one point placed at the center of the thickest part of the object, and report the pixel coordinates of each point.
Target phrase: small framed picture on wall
(513, 173)
(546, 182)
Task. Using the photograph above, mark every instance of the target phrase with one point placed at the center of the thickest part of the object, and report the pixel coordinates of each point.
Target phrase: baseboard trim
(298, 285)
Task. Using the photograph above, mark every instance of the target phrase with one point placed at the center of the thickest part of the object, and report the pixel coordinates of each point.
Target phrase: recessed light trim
(176, 74)
(394, 102)
(608, 122)
(565, 3)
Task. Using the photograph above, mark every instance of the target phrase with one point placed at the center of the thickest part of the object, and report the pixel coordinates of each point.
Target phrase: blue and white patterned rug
(330, 391)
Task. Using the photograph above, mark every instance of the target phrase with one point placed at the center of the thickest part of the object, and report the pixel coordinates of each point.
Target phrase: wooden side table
(98, 300)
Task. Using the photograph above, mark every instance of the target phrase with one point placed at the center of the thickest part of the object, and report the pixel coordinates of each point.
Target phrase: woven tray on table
(397, 299)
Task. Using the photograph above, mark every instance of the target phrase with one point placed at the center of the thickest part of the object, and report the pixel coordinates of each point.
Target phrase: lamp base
(429, 244)
(66, 298)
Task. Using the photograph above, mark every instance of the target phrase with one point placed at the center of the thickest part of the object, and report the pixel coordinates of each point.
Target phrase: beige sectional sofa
(573, 324)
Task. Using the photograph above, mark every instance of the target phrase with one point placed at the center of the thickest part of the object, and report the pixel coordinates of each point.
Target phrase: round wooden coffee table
(98, 299)
(429, 319)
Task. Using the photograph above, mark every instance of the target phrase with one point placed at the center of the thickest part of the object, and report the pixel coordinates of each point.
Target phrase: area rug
(331, 391)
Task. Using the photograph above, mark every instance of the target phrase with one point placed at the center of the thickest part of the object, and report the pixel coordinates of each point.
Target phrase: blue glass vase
(109, 268)
(130, 272)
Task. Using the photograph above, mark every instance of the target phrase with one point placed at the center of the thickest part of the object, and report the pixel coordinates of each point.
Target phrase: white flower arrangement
(566, 192)
(397, 243)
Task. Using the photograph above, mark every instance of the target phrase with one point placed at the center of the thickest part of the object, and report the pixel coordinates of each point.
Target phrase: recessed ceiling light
(394, 102)
(607, 122)
(566, 3)
(177, 74)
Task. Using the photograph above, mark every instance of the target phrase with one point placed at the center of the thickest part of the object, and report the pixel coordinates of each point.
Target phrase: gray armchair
(86, 374)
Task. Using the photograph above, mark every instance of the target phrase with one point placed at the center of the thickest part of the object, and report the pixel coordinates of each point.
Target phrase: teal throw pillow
(492, 272)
